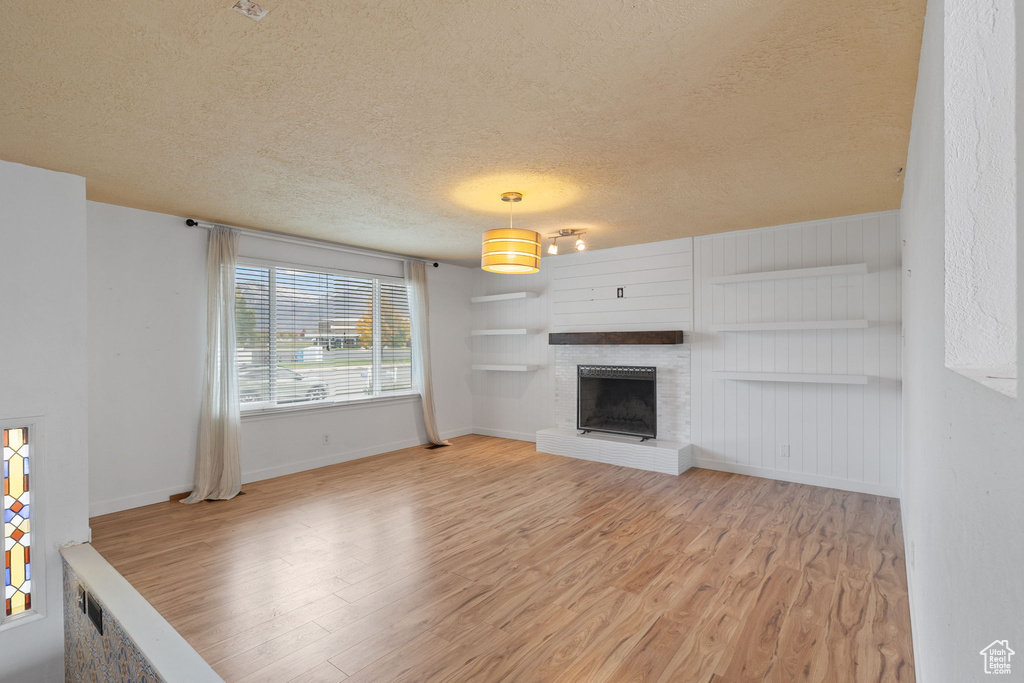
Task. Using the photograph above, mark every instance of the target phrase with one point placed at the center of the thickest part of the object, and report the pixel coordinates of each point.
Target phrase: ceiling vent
(250, 9)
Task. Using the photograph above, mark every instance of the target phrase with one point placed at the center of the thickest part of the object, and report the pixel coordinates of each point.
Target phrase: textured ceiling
(397, 124)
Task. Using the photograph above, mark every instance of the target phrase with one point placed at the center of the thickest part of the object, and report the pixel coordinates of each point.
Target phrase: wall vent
(91, 608)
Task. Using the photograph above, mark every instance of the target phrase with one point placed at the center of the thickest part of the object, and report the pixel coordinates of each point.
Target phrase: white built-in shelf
(790, 377)
(802, 325)
(507, 368)
(503, 297)
(822, 271)
(490, 333)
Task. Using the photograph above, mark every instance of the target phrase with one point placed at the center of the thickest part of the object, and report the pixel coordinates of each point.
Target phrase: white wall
(980, 199)
(513, 405)
(656, 281)
(43, 373)
(147, 318)
(843, 436)
(962, 468)
(147, 321)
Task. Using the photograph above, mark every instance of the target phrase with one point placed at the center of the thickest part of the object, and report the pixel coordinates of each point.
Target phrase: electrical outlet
(618, 292)
(784, 450)
(327, 439)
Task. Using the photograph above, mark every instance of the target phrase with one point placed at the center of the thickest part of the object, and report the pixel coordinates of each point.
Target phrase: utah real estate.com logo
(997, 657)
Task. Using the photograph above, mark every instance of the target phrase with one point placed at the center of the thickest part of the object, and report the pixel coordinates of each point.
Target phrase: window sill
(1003, 380)
(21, 620)
(284, 411)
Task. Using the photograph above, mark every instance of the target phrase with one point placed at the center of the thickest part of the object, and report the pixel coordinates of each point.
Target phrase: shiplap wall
(656, 280)
(575, 293)
(839, 435)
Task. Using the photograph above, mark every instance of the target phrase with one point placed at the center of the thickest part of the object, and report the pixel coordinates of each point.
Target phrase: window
(310, 338)
(17, 520)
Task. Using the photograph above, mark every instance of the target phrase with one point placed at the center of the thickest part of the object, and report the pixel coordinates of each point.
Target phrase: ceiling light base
(512, 197)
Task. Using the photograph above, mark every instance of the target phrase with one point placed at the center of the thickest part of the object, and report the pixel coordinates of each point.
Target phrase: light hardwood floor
(487, 561)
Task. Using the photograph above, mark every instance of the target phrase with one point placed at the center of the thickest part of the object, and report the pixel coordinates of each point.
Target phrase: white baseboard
(502, 434)
(325, 461)
(454, 433)
(908, 545)
(105, 507)
(798, 477)
(316, 463)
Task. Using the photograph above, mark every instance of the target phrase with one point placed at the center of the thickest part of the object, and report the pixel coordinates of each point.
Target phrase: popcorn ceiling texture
(358, 121)
(673, 391)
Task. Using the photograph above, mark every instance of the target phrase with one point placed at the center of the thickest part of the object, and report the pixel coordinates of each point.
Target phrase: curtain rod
(309, 241)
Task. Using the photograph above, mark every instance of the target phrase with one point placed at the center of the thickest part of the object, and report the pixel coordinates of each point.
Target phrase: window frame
(38, 528)
(269, 408)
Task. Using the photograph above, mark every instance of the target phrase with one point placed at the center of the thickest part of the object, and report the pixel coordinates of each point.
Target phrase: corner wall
(43, 375)
(962, 468)
(147, 313)
(845, 436)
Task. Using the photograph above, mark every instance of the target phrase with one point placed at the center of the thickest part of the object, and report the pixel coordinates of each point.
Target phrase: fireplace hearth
(616, 399)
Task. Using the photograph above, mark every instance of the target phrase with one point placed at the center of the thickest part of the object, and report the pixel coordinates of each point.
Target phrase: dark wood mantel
(618, 338)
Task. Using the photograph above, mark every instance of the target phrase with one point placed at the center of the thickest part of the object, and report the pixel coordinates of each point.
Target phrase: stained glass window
(17, 513)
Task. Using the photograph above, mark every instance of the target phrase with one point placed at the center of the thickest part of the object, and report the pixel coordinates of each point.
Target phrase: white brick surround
(672, 361)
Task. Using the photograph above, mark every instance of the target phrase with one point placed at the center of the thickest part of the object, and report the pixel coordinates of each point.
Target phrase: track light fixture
(580, 245)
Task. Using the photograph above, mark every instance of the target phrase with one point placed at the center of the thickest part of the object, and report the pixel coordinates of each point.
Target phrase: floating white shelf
(851, 269)
(802, 325)
(507, 368)
(488, 333)
(790, 377)
(503, 297)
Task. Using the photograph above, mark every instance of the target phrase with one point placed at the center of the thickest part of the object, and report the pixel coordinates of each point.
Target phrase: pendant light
(509, 250)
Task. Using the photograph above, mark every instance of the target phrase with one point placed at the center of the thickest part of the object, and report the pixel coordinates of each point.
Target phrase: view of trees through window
(307, 337)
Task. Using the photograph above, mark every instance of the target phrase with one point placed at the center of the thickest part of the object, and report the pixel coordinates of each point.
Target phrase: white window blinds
(308, 337)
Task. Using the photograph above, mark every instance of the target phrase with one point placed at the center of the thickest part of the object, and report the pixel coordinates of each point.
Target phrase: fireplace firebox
(617, 399)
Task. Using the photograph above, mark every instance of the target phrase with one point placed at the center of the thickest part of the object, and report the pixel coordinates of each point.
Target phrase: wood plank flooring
(487, 561)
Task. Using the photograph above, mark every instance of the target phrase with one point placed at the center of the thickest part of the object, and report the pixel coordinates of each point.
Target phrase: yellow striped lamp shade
(510, 250)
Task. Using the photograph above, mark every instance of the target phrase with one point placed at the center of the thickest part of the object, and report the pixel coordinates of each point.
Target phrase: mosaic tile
(91, 658)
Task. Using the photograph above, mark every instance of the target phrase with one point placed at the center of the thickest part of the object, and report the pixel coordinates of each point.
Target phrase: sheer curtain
(419, 308)
(218, 473)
